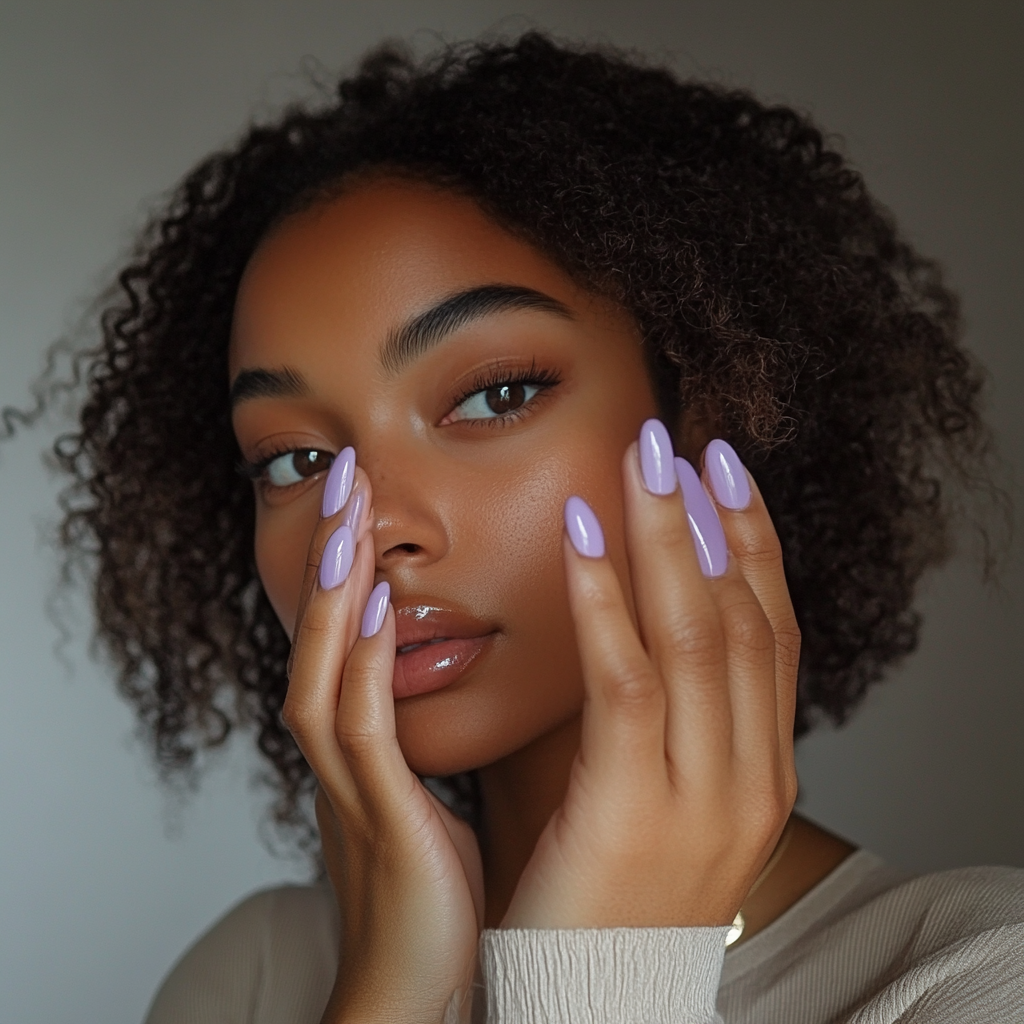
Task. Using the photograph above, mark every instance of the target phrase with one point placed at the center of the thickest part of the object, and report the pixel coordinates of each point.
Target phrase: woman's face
(468, 483)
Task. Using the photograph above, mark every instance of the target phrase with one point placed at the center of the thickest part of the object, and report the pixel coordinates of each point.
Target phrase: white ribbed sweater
(865, 946)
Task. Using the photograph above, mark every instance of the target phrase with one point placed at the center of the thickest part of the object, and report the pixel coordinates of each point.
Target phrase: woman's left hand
(685, 777)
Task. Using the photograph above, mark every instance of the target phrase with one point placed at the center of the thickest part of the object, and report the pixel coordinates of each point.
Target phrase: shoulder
(955, 947)
(947, 906)
(271, 958)
(872, 946)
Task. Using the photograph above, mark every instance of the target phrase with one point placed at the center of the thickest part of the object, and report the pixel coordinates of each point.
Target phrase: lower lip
(434, 666)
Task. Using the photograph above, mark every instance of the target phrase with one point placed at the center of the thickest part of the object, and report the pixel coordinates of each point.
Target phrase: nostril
(409, 549)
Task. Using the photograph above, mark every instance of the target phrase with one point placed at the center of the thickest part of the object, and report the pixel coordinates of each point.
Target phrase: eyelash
(487, 379)
(495, 377)
(255, 470)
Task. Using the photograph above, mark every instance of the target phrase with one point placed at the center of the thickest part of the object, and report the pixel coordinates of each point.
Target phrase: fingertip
(338, 485)
(376, 609)
(705, 526)
(726, 476)
(583, 528)
(336, 561)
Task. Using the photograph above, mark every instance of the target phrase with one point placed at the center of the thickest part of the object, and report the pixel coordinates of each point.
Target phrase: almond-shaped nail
(705, 527)
(583, 528)
(355, 509)
(376, 609)
(656, 458)
(338, 485)
(726, 476)
(336, 562)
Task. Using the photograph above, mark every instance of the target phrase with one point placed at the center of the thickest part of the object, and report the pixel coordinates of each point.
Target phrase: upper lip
(418, 621)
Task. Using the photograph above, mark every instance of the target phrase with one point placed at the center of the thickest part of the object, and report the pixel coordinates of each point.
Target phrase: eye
(496, 401)
(294, 467)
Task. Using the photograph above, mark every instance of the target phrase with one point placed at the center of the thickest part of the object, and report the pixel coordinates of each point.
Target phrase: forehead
(352, 268)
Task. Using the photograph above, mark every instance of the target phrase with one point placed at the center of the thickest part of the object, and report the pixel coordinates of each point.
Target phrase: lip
(435, 645)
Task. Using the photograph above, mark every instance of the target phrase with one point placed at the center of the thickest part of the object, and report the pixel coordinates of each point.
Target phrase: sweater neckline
(861, 870)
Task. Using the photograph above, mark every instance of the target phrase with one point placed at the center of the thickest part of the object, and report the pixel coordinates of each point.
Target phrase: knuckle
(297, 716)
(747, 626)
(696, 638)
(758, 549)
(632, 687)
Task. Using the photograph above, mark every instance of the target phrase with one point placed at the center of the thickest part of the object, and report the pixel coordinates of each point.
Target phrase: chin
(448, 732)
(477, 722)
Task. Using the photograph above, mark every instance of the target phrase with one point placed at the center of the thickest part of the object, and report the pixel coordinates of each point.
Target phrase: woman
(454, 328)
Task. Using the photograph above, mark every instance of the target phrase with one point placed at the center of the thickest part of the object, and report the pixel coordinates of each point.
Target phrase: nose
(410, 529)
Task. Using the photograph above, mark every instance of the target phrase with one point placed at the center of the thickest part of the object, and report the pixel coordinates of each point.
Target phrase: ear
(696, 425)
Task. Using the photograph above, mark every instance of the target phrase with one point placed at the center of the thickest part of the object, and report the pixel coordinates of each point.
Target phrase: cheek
(281, 548)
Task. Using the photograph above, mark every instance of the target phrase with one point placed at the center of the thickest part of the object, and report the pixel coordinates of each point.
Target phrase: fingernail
(337, 559)
(339, 482)
(584, 529)
(726, 476)
(376, 609)
(705, 528)
(656, 458)
(355, 509)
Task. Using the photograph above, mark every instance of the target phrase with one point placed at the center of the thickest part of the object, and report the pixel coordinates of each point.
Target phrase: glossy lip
(435, 645)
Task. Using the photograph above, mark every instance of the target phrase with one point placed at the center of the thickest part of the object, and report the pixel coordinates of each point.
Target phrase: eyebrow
(283, 383)
(423, 331)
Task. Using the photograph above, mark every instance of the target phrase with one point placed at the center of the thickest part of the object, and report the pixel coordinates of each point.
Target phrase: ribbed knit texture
(865, 946)
(597, 976)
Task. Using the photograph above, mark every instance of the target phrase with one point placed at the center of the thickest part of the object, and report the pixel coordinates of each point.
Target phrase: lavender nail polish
(337, 558)
(583, 527)
(339, 482)
(707, 532)
(376, 609)
(656, 458)
(355, 510)
(726, 476)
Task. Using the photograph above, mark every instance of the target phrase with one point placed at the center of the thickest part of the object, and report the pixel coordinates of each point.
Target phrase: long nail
(583, 527)
(376, 609)
(656, 458)
(726, 476)
(705, 527)
(355, 509)
(339, 482)
(336, 563)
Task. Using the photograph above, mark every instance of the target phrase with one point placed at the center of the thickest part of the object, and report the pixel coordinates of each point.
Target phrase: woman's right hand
(406, 872)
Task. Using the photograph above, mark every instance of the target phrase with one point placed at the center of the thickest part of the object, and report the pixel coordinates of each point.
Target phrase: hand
(406, 872)
(685, 777)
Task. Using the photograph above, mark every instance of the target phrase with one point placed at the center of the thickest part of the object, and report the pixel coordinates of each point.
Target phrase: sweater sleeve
(602, 975)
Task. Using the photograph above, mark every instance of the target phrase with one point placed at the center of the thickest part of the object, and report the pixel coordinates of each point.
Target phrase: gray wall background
(104, 105)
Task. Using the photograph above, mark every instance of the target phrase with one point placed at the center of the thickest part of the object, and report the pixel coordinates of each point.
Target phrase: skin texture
(632, 722)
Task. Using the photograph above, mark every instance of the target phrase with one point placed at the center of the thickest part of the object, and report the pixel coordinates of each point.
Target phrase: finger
(364, 725)
(754, 544)
(624, 702)
(677, 615)
(327, 629)
(750, 661)
(353, 512)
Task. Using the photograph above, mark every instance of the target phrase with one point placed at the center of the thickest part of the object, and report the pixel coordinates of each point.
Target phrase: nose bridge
(407, 498)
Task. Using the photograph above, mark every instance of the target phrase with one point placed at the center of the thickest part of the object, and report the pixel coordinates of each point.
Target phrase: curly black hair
(775, 297)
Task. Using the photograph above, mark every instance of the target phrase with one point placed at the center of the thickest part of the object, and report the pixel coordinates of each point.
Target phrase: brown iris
(505, 398)
(309, 462)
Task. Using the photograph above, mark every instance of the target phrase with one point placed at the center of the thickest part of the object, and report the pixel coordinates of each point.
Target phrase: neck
(520, 793)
